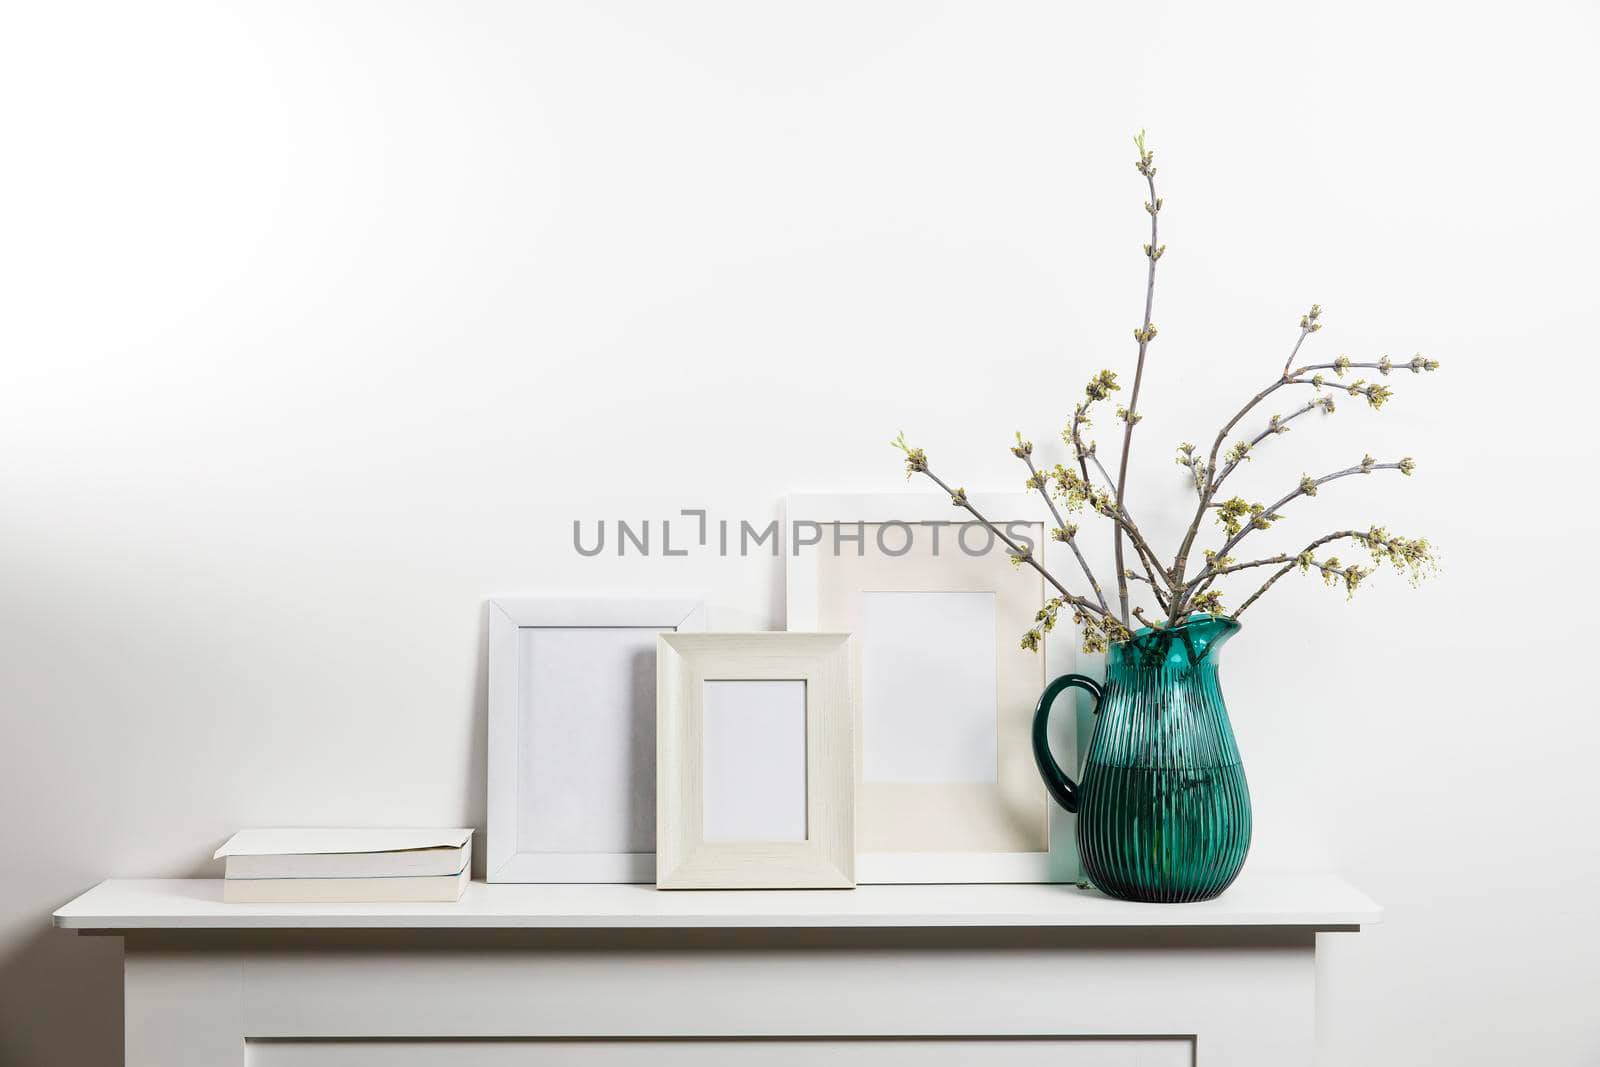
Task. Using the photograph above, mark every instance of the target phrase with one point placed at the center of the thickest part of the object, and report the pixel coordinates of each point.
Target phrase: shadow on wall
(61, 992)
(61, 1000)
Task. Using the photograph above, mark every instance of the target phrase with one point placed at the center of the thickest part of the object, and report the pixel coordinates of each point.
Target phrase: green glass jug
(1163, 809)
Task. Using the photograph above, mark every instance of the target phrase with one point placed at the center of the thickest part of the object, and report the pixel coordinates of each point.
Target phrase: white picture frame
(689, 854)
(571, 783)
(898, 821)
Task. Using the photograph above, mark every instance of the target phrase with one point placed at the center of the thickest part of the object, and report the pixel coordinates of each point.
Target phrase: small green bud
(1418, 364)
(1100, 386)
(916, 459)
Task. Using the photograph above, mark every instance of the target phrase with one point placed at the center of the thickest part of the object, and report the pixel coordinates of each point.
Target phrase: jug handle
(1062, 788)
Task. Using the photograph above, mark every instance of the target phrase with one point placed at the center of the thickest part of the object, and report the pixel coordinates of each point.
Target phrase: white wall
(321, 322)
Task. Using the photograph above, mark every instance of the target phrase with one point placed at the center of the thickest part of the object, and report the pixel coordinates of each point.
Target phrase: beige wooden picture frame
(823, 855)
(912, 828)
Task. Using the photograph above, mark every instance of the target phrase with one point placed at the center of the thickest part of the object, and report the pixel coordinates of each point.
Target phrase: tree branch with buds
(1144, 335)
(1239, 518)
(1088, 484)
(1100, 387)
(1064, 531)
(1100, 628)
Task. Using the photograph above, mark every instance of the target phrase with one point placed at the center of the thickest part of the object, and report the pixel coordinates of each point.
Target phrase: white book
(446, 888)
(341, 853)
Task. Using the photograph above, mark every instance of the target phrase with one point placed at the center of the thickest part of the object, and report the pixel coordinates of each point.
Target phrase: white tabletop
(1318, 901)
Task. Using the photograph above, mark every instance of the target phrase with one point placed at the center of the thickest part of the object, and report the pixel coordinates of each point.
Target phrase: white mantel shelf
(1315, 901)
(884, 974)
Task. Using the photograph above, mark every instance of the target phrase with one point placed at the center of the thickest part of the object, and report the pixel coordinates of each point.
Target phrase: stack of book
(345, 866)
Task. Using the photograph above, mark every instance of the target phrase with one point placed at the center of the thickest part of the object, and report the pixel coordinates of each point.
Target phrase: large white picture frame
(572, 715)
(755, 761)
(947, 788)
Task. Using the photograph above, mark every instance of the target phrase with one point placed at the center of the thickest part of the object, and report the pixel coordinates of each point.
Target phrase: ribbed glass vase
(1163, 809)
